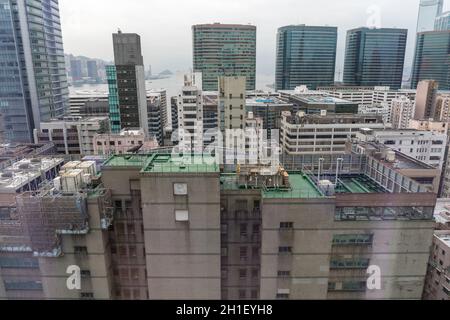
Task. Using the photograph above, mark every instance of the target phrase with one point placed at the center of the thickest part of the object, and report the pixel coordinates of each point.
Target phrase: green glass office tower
(432, 59)
(375, 57)
(113, 99)
(224, 50)
(33, 83)
(306, 55)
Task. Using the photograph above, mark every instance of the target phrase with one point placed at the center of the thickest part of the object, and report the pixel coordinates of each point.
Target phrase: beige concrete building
(306, 134)
(127, 141)
(232, 102)
(442, 107)
(72, 135)
(425, 99)
(160, 227)
(437, 283)
(403, 110)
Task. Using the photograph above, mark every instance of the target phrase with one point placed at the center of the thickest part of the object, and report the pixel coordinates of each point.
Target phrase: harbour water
(172, 85)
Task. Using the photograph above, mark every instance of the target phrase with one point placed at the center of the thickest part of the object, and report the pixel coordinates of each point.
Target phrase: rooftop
(24, 171)
(301, 187)
(265, 101)
(318, 99)
(165, 163)
(444, 238)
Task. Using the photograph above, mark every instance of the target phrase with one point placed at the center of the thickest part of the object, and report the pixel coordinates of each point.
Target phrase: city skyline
(79, 23)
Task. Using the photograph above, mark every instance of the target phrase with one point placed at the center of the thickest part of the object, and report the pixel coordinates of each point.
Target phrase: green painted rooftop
(165, 163)
(301, 187)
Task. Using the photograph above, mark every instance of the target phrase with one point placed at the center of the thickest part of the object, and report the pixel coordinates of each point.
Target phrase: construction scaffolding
(46, 215)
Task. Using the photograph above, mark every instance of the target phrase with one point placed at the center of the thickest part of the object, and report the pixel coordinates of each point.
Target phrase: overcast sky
(165, 25)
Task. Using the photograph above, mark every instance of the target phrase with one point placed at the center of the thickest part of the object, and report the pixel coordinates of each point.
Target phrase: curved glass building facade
(432, 59)
(375, 57)
(306, 55)
(224, 50)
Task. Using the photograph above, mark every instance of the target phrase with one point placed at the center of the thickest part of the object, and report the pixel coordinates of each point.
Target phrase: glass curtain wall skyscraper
(306, 55)
(113, 99)
(224, 50)
(442, 22)
(429, 10)
(375, 57)
(33, 82)
(432, 59)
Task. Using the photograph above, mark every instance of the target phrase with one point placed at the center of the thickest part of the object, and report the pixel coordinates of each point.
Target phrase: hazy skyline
(165, 26)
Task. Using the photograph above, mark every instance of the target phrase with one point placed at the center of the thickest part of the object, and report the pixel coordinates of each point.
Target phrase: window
(284, 274)
(80, 250)
(85, 273)
(243, 253)
(285, 249)
(254, 294)
(349, 263)
(242, 294)
(282, 296)
(133, 251)
(242, 274)
(23, 285)
(180, 189)
(446, 291)
(86, 295)
(255, 273)
(255, 252)
(286, 225)
(352, 239)
(12, 262)
(243, 230)
(181, 215)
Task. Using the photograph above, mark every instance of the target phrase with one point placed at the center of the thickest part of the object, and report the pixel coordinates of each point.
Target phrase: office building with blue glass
(432, 59)
(33, 82)
(224, 50)
(375, 57)
(306, 55)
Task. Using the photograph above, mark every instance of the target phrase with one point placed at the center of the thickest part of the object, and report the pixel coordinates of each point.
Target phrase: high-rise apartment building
(431, 60)
(92, 69)
(190, 113)
(403, 111)
(437, 282)
(429, 10)
(130, 75)
(33, 83)
(442, 107)
(76, 69)
(232, 102)
(375, 57)
(157, 115)
(224, 50)
(306, 55)
(425, 99)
